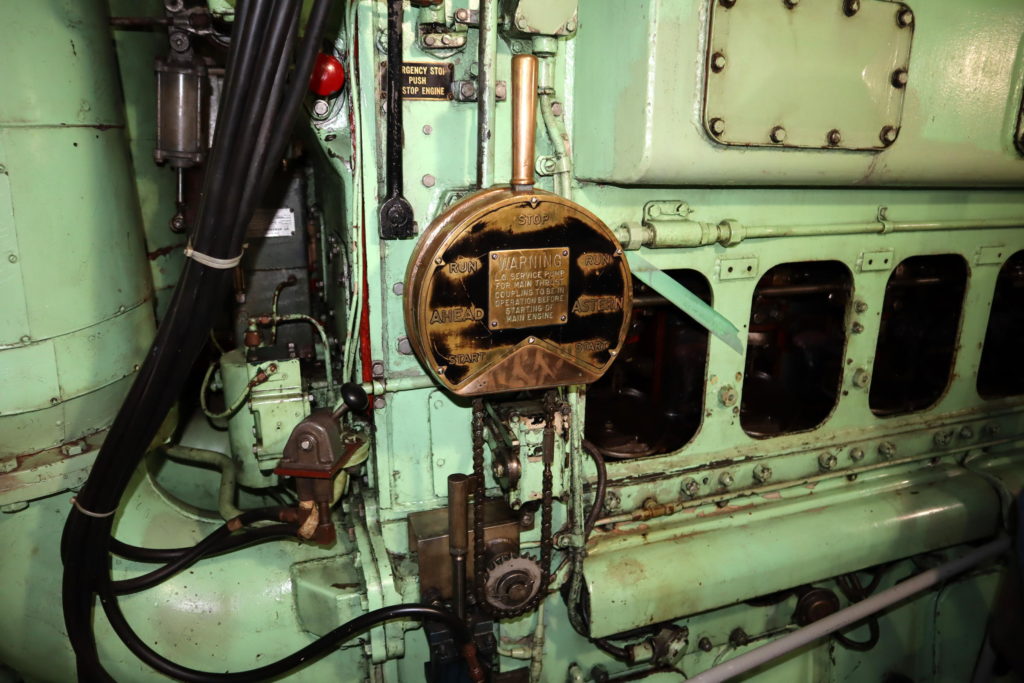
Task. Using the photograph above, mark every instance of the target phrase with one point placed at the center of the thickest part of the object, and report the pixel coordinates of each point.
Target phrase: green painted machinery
(817, 404)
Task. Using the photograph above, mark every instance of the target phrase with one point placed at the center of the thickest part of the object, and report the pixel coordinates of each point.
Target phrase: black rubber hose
(214, 544)
(312, 652)
(602, 488)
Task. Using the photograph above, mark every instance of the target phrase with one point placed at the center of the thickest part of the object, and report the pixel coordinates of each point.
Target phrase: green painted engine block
(821, 204)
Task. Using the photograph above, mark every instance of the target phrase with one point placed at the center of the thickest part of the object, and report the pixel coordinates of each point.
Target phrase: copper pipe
(524, 120)
(458, 538)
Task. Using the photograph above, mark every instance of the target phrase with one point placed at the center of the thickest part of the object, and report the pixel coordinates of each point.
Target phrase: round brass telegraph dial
(517, 288)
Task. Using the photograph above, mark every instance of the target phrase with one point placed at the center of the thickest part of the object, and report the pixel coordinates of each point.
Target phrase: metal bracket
(990, 256)
(465, 90)
(882, 259)
(661, 210)
(741, 268)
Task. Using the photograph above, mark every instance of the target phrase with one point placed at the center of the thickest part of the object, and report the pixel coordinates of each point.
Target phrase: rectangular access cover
(807, 73)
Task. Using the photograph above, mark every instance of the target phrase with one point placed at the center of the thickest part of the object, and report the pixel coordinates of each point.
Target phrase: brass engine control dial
(517, 288)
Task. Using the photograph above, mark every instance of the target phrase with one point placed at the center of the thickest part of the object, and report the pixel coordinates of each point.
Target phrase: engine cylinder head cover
(517, 288)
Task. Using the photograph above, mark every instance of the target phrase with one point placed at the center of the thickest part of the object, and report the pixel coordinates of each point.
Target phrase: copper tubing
(458, 538)
(524, 120)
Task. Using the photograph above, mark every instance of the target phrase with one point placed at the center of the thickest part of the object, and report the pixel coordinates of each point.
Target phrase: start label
(427, 81)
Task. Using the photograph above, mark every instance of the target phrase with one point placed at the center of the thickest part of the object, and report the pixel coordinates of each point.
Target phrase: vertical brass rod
(458, 538)
(524, 120)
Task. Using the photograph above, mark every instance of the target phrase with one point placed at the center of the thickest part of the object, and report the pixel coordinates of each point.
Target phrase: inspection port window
(651, 400)
(795, 347)
(1001, 372)
(918, 335)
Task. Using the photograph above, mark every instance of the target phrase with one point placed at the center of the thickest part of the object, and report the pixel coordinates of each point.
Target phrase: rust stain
(163, 251)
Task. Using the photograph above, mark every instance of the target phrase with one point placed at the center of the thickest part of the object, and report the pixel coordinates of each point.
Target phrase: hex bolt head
(717, 127)
(856, 454)
(887, 449)
(778, 135)
(856, 328)
(398, 288)
(717, 62)
(888, 135)
(612, 501)
(462, 15)
(467, 90)
(861, 306)
(570, 26)
(705, 644)
(321, 108)
(404, 346)
(379, 403)
(428, 180)
(557, 109)
(306, 444)
(851, 7)
(377, 368)
(833, 137)
(727, 396)
(966, 432)
(501, 92)
(861, 378)
(762, 474)
(900, 78)
(790, 4)
(827, 461)
(991, 429)
(429, 41)
(943, 438)
(690, 487)
(904, 18)
(726, 479)
(446, 39)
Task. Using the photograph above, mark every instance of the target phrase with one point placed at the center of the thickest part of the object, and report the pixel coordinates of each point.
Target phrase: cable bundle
(263, 92)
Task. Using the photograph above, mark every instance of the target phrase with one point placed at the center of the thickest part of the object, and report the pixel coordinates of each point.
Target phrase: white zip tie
(212, 262)
(89, 513)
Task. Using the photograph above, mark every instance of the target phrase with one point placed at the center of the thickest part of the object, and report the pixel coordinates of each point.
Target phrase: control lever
(395, 213)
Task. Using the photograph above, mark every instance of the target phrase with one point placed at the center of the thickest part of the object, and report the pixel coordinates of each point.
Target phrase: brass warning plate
(528, 287)
(427, 81)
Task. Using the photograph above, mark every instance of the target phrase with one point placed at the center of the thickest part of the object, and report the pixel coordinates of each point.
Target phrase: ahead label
(528, 287)
(426, 81)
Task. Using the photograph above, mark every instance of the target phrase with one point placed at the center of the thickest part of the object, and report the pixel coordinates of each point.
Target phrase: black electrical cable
(237, 540)
(600, 491)
(310, 653)
(211, 545)
(218, 232)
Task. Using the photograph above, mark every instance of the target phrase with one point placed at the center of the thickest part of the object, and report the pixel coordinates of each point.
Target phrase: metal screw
(690, 487)
(966, 432)
(705, 644)
(306, 444)
(899, 78)
(834, 137)
(726, 479)
(717, 62)
(462, 15)
(887, 449)
(739, 637)
(570, 26)
(827, 461)
(727, 3)
(429, 40)
(179, 41)
(991, 429)
(851, 7)
(379, 403)
(398, 288)
(790, 4)
(494, 323)
(943, 438)
(446, 39)
(321, 108)
(428, 129)
(904, 17)
(861, 378)
(404, 346)
(888, 135)
(428, 180)
(501, 92)
(13, 258)
(377, 368)
(856, 328)
(717, 127)
(727, 395)
(856, 454)
(762, 474)
(468, 90)
(556, 109)
(531, 340)
(860, 307)
(612, 501)
(521, 23)
(778, 135)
